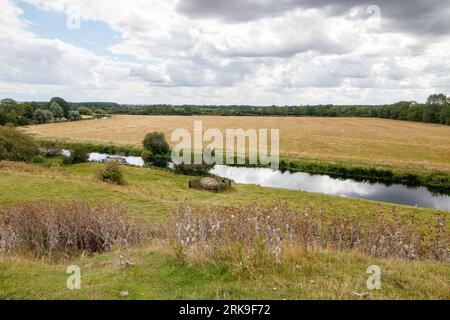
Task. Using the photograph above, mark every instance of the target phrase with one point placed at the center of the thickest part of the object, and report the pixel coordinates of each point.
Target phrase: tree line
(56, 110)
(435, 110)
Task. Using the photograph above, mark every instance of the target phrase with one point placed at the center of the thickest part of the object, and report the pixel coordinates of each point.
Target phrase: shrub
(112, 173)
(157, 160)
(16, 146)
(85, 111)
(156, 143)
(193, 169)
(48, 228)
(56, 110)
(42, 116)
(251, 235)
(77, 155)
(74, 116)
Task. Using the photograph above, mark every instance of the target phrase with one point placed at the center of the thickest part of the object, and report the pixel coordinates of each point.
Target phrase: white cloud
(294, 52)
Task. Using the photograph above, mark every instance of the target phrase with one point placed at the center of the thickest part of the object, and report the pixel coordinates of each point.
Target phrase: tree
(432, 110)
(42, 116)
(85, 111)
(156, 143)
(444, 116)
(62, 103)
(56, 110)
(74, 116)
(28, 110)
(415, 112)
(9, 105)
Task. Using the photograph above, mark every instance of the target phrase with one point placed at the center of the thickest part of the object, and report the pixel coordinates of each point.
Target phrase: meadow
(366, 141)
(152, 195)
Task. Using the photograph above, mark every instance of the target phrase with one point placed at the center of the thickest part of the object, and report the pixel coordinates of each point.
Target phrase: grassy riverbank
(435, 181)
(152, 194)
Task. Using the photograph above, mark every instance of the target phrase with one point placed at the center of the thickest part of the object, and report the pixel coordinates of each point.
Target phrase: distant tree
(9, 105)
(62, 103)
(432, 110)
(42, 116)
(74, 116)
(85, 111)
(56, 110)
(444, 115)
(415, 112)
(156, 143)
(100, 111)
(28, 110)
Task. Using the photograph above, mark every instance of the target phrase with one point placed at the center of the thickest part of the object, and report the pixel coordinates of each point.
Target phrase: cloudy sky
(260, 52)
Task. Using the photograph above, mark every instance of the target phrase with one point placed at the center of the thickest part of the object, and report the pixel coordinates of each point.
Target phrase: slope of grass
(152, 194)
(311, 275)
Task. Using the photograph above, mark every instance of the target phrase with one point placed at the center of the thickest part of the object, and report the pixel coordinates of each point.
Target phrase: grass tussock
(251, 236)
(46, 228)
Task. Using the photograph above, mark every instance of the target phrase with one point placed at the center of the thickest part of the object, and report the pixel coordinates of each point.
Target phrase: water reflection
(420, 197)
(399, 194)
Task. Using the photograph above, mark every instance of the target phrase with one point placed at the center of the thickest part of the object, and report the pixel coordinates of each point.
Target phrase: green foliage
(156, 143)
(112, 173)
(91, 147)
(77, 155)
(85, 111)
(157, 160)
(16, 146)
(42, 116)
(74, 116)
(444, 116)
(56, 110)
(193, 169)
(62, 103)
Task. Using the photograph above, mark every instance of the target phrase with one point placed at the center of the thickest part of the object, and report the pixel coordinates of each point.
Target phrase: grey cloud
(422, 17)
(198, 72)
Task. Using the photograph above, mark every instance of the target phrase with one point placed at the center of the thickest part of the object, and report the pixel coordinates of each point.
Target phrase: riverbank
(152, 194)
(434, 180)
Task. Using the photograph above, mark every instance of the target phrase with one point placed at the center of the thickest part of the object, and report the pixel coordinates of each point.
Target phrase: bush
(48, 228)
(157, 160)
(56, 110)
(194, 169)
(249, 236)
(42, 116)
(77, 155)
(85, 111)
(156, 143)
(16, 146)
(112, 173)
(74, 116)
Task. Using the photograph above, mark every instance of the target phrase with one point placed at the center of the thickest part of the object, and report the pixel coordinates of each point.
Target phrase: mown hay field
(359, 140)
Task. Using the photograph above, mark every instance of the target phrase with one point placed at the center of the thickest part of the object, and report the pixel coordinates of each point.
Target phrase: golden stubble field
(364, 140)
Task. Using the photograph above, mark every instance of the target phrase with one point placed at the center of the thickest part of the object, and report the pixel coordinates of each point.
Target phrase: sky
(258, 52)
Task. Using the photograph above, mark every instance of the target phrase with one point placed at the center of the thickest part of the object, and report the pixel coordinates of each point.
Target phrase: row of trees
(435, 110)
(25, 113)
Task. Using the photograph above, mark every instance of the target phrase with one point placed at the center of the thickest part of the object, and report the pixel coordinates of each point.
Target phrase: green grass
(312, 275)
(152, 194)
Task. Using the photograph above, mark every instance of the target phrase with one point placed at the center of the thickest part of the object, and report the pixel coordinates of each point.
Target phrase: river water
(266, 177)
